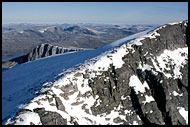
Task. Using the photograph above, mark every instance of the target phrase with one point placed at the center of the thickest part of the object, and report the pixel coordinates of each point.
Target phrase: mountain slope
(140, 82)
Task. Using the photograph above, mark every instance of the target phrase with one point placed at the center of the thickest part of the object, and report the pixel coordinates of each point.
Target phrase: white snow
(98, 102)
(153, 35)
(135, 123)
(138, 117)
(148, 99)
(137, 85)
(123, 98)
(183, 113)
(146, 85)
(144, 67)
(170, 58)
(117, 57)
(145, 53)
(158, 69)
(177, 94)
(174, 23)
(9, 121)
(43, 90)
(128, 112)
(26, 118)
(173, 58)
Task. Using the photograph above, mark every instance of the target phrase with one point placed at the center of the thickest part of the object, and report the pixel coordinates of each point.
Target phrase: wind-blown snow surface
(20, 84)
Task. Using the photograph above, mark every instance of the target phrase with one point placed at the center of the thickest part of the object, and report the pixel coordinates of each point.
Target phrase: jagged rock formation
(45, 50)
(40, 51)
(143, 82)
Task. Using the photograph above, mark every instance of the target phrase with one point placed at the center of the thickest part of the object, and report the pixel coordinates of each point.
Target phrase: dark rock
(59, 104)
(50, 118)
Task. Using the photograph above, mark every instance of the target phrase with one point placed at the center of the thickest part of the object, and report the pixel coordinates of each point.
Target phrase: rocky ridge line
(40, 51)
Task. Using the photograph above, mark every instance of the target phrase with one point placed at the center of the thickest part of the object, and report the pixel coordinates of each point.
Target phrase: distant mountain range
(22, 38)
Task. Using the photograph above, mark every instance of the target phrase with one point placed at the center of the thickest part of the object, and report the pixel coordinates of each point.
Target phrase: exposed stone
(77, 103)
(59, 104)
(50, 118)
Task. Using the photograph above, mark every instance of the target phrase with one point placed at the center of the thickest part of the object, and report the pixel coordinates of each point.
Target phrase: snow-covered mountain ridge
(141, 79)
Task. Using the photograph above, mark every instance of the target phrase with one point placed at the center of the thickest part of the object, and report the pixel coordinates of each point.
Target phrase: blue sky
(94, 12)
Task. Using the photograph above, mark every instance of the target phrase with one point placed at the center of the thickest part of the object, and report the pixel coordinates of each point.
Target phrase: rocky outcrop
(168, 93)
(45, 50)
(165, 107)
(40, 51)
(150, 88)
(50, 118)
